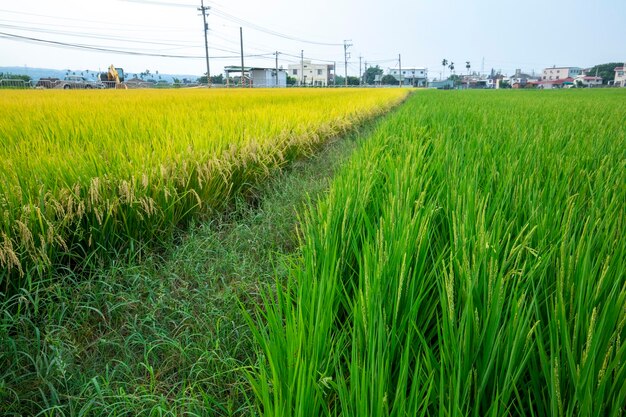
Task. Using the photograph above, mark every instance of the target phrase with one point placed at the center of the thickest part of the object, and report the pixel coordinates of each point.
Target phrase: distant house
(560, 83)
(521, 80)
(309, 73)
(559, 73)
(256, 76)
(588, 81)
(137, 83)
(415, 76)
(620, 77)
(494, 80)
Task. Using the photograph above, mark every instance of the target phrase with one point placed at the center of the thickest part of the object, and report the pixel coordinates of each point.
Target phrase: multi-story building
(415, 76)
(620, 77)
(309, 73)
(559, 73)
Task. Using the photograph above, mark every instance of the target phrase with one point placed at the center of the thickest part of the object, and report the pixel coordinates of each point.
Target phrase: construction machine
(113, 78)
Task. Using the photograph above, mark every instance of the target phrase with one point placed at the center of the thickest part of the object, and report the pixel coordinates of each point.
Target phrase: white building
(521, 79)
(588, 81)
(620, 77)
(415, 76)
(256, 76)
(266, 77)
(308, 73)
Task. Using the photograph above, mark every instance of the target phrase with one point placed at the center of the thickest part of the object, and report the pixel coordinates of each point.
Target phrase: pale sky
(505, 35)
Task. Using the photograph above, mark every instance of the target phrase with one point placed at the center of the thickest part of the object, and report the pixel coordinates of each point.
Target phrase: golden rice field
(89, 170)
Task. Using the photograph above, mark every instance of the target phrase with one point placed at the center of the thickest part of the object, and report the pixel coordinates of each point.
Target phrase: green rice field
(470, 260)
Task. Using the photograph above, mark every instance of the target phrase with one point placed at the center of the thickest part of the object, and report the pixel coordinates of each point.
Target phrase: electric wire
(29, 39)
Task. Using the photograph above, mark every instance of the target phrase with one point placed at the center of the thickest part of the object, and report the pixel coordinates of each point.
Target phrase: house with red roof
(560, 83)
(587, 81)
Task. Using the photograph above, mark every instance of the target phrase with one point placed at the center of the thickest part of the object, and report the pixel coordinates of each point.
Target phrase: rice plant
(94, 171)
(469, 261)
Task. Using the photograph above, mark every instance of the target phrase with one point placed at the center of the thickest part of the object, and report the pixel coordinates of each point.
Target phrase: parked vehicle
(79, 82)
(47, 82)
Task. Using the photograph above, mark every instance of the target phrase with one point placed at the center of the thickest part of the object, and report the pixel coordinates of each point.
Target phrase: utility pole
(277, 69)
(204, 11)
(360, 71)
(241, 44)
(301, 67)
(346, 55)
(335, 73)
(400, 66)
(365, 74)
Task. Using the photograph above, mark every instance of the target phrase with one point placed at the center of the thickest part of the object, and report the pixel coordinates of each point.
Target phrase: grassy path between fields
(162, 335)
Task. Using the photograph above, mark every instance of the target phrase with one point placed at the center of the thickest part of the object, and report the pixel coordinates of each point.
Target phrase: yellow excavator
(113, 78)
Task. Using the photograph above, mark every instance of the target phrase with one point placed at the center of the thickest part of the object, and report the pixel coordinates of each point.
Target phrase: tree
(389, 80)
(340, 80)
(451, 66)
(353, 80)
(468, 66)
(456, 79)
(371, 73)
(217, 79)
(9, 76)
(291, 80)
(444, 64)
(606, 71)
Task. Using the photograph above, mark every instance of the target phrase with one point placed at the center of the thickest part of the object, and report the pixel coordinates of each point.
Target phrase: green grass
(163, 335)
(469, 261)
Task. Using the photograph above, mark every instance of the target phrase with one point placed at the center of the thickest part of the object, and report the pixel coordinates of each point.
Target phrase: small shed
(256, 76)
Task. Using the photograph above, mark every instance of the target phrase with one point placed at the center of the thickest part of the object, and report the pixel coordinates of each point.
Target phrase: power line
(110, 50)
(176, 44)
(146, 29)
(235, 19)
(188, 44)
(82, 20)
(159, 3)
(92, 36)
(243, 22)
(306, 57)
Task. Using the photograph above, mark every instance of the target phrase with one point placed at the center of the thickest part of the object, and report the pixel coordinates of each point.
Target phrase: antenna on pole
(276, 85)
(365, 73)
(346, 55)
(360, 70)
(241, 44)
(400, 68)
(205, 11)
